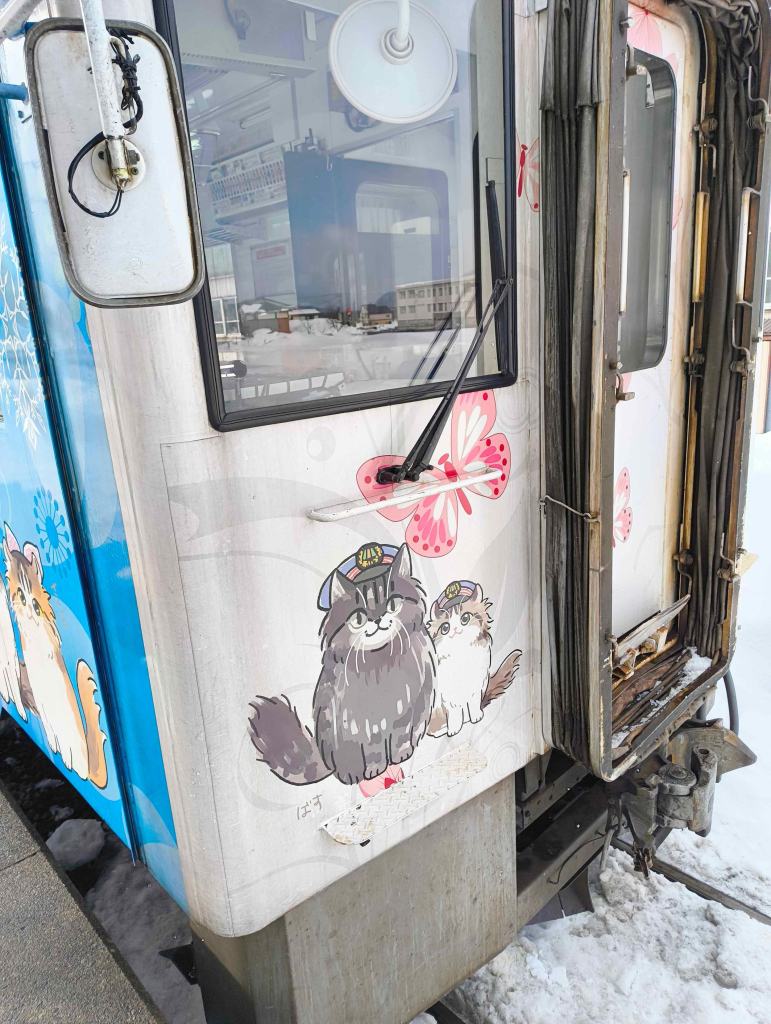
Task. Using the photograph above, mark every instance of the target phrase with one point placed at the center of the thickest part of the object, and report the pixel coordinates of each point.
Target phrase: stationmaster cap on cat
(454, 594)
(370, 561)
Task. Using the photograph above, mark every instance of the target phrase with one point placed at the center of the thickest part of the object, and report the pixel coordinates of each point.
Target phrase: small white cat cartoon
(460, 628)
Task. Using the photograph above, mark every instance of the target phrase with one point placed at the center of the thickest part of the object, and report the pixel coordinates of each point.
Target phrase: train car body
(345, 721)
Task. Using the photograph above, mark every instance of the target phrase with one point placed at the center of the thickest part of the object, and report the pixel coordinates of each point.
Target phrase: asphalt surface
(56, 963)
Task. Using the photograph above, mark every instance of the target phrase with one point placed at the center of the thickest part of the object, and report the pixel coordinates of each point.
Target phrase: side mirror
(149, 249)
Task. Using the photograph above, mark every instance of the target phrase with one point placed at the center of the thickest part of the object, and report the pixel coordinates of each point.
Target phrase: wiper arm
(427, 354)
(418, 460)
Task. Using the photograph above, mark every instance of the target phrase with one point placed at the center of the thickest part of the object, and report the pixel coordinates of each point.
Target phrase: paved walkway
(56, 964)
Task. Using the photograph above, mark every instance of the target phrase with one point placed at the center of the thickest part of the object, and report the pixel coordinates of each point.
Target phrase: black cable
(130, 100)
(71, 174)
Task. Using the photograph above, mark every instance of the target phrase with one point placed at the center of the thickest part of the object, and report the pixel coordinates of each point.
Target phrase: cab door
(356, 257)
(650, 424)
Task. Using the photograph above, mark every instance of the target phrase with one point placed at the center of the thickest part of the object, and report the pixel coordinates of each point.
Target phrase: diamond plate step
(360, 823)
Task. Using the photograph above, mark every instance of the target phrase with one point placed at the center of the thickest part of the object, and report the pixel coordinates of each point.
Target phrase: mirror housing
(150, 252)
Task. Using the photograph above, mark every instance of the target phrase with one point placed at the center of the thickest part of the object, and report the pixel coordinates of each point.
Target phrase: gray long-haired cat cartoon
(374, 697)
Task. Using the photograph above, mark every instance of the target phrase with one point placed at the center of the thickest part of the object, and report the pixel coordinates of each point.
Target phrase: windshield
(345, 254)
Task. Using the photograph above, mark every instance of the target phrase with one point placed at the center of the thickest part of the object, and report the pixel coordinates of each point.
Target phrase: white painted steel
(146, 249)
(104, 73)
(227, 566)
(13, 17)
(369, 817)
(650, 429)
(403, 495)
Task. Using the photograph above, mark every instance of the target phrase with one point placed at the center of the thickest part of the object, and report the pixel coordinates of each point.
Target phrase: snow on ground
(735, 856)
(651, 952)
(76, 842)
(142, 919)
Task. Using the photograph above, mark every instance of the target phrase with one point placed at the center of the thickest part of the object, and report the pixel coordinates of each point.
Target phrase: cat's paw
(454, 721)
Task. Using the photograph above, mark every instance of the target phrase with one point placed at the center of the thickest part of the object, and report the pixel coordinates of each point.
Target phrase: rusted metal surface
(659, 677)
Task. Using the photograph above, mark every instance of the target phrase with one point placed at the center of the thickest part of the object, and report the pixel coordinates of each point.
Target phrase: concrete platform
(56, 963)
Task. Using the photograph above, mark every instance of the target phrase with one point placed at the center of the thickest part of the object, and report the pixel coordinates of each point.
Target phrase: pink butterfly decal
(432, 529)
(529, 173)
(645, 33)
(388, 778)
(622, 514)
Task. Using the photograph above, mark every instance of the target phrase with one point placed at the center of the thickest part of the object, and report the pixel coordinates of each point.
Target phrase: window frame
(670, 274)
(507, 346)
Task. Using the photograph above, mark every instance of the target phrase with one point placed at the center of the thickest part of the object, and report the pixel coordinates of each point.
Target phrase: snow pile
(652, 951)
(298, 329)
(142, 919)
(76, 842)
(49, 784)
(722, 863)
(323, 325)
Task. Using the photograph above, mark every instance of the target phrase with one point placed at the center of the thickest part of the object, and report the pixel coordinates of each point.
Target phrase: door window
(649, 143)
(345, 255)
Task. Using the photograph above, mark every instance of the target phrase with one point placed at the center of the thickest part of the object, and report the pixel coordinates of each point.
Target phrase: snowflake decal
(21, 389)
(51, 528)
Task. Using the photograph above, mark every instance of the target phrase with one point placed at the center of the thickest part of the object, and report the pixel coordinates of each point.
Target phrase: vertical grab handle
(744, 238)
(624, 242)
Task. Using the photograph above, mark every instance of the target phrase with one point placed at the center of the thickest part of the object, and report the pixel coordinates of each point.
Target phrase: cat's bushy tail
(501, 680)
(95, 738)
(285, 745)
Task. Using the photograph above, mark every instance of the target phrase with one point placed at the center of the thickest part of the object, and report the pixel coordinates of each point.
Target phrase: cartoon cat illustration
(374, 696)
(460, 628)
(10, 669)
(80, 745)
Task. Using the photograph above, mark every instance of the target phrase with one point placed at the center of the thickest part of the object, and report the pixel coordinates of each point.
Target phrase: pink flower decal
(432, 529)
(645, 33)
(622, 514)
(388, 778)
(529, 173)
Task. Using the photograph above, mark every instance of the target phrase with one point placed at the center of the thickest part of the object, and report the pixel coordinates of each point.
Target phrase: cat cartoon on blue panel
(40, 683)
(460, 628)
(374, 696)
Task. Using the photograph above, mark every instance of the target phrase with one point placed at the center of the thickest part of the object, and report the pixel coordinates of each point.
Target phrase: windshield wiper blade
(418, 460)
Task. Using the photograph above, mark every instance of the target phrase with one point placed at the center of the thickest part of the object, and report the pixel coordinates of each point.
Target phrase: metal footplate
(360, 823)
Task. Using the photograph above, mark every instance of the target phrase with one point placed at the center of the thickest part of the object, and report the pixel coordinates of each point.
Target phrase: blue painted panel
(50, 682)
(86, 465)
